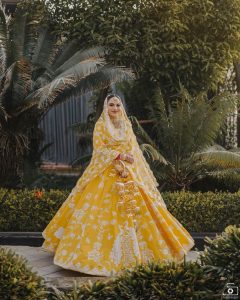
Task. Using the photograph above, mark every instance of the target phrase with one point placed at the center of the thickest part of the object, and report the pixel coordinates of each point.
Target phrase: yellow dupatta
(107, 144)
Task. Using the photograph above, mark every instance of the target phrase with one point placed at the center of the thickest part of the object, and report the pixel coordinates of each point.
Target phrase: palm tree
(39, 70)
(183, 149)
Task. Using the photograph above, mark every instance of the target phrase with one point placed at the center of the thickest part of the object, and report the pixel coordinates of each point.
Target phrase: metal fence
(55, 125)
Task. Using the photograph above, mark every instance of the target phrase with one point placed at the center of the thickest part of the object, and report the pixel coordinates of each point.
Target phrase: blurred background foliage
(168, 44)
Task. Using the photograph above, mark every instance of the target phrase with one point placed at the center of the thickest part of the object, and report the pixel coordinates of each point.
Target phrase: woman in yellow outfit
(114, 217)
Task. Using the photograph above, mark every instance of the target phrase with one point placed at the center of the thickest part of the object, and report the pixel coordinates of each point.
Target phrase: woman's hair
(112, 96)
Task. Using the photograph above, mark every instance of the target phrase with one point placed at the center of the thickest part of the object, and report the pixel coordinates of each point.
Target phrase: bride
(114, 217)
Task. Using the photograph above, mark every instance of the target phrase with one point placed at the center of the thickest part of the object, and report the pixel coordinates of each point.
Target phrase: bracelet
(123, 156)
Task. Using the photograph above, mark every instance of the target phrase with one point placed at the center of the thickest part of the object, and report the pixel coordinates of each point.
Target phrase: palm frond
(185, 134)
(83, 68)
(6, 84)
(102, 78)
(22, 82)
(83, 160)
(141, 134)
(225, 173)
(157, 109)
(64, 61)
(153, 153)
(3, 113)
(46, 95)
(65, 83)
(220, 159)
(214, 114)
(23, 33)
(18, 34)
(162, 126)
(64, 52)
(44, 48)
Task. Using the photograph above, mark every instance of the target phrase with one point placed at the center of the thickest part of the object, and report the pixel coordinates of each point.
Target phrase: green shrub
(17, 281)
(223, 254)
(228, 183)
(154, 280)
(28, 210)
(204, 212)
(32, 210)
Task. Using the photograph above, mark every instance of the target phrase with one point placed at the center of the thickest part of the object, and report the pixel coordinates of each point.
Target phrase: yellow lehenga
(109, 223)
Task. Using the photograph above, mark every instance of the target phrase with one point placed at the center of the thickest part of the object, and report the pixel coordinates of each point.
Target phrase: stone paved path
(41, 261)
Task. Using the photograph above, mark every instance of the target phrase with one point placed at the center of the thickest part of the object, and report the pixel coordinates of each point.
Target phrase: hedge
(31, 210)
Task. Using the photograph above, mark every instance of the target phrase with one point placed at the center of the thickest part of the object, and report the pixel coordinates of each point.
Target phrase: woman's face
(114, 107)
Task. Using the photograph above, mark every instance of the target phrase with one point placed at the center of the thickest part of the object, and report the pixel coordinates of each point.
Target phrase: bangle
(123, 156)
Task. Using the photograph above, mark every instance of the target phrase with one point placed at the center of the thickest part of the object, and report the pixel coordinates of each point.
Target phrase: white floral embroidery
(110, 236)
(116, 252)
(150, 238)
(95, 254)
(59, 232)
(106, 201)
(86, 206)
(64, 252)
(101, 184)
(72, 235)
(146, 253)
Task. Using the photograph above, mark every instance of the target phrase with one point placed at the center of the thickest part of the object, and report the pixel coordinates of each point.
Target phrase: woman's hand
(127, 157)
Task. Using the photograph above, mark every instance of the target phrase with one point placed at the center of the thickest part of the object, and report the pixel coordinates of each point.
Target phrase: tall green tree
(165, 42)
(190, 41)
(37, 71)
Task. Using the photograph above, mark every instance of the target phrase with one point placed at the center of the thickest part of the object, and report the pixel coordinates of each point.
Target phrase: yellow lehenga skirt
(91, 234)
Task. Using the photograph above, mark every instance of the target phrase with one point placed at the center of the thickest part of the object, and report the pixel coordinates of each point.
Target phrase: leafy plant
(17, 281)
(183, 149)
(222, 254)
(39, 70)
(150, 281)
(29, 210)
(163, 41)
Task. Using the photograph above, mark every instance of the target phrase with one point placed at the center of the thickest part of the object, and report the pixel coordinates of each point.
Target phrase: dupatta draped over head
(108, 142)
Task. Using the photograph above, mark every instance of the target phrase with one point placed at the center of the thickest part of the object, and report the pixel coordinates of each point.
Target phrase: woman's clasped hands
(119, 165)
